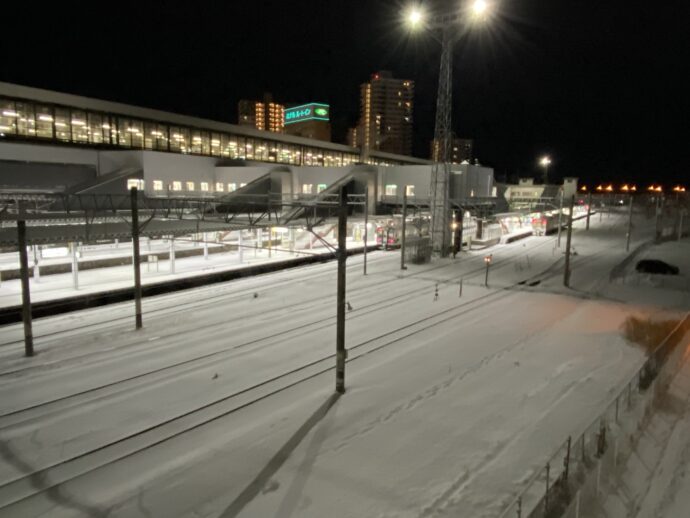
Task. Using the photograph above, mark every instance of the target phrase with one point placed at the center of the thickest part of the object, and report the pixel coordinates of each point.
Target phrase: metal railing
(573, 474)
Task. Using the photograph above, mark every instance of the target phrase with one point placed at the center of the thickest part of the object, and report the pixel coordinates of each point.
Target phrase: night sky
(599, 85)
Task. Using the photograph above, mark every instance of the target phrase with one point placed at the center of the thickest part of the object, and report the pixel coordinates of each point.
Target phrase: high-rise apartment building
(265, 115)
(460, 150)
(385, 122)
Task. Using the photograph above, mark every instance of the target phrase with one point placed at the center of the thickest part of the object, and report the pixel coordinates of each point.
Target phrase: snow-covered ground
(653, 480)
(49, 287)
(223, 404)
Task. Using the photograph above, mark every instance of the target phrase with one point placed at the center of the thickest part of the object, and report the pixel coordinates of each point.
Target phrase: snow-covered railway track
(211, 299)
(14, 492)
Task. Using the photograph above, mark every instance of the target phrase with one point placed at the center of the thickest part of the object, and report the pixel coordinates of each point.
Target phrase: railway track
(19, 489)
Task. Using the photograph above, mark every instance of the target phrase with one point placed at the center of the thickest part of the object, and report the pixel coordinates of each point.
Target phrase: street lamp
(545, 162)
(444, 27)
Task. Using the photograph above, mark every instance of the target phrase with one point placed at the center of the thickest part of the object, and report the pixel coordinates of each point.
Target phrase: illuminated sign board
(307, 112)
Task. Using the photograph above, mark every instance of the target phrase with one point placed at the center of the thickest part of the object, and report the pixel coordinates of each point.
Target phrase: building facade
(265, 115)
(385, 122)
(309, 121)
(461, 150)
(38, 116)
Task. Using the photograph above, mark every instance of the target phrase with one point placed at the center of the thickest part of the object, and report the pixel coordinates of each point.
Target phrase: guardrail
(555, 490)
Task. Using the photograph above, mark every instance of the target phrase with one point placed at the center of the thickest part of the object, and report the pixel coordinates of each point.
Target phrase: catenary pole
(341, 354)
(136, 258)
(366, 225)
(560, 217)
(589, 208)
(566, 273)
(630, 216)
(24, 273)
(404, 228)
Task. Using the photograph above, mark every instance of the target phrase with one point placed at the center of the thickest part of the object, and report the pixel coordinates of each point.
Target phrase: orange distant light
(609, 188)
(679, 188)
(625, 188)
(651, 188)
(658, 189)
(633, 188)
(583, 188)
(600, 188)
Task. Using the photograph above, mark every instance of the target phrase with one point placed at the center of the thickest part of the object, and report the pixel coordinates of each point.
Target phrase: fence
(572, 477)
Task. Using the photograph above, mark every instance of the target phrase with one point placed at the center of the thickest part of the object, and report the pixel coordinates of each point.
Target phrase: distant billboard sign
(306, 112)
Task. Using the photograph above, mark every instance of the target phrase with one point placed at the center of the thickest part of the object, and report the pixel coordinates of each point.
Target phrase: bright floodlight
(480, 7)
(414, 17)
(545, 161)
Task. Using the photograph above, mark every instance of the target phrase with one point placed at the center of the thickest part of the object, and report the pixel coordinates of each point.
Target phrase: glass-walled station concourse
(29, 119)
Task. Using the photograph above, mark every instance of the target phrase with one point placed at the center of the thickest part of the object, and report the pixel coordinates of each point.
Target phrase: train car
(545, 223)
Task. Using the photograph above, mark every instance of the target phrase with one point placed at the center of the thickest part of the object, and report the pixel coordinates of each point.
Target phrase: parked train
(544, 223)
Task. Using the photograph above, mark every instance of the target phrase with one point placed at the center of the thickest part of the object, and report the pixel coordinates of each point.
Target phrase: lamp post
(545, 162)
(444, 29)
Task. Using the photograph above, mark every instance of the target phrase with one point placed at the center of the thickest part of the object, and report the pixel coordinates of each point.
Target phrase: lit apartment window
(321, 187)
(157, 185)
(410, 190)
(190, 186)
(391, 190)
(177, 186)
(232, 187)
(220, 186)
(204, 186)
(306, 188)
(133, 182)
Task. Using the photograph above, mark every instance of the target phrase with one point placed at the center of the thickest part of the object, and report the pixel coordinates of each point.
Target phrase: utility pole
(24, 273)
(136, 258)
(75, 265)
(566, 273)
(560, 217)
(680, 223)
(487, 260)
(589, 208)
(366, 225)
(340, 352)
(172, 254)
(459, 235)
(404, 228)
(630, 215)
(658, 222)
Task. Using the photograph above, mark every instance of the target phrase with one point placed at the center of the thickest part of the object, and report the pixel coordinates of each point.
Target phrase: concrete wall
(239, 175)
(44, 175)
(317, 175)
(471, 181)
(111, 161)
(169, 167)
(417, 175)
(47, 154)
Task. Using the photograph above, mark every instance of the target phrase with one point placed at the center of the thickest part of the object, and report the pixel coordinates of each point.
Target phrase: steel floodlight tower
(446, 30)
(440, 174)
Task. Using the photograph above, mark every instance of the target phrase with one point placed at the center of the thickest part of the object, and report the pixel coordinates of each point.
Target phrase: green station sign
(306, 112)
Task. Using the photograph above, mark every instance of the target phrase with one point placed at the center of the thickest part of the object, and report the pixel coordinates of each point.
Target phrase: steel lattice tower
(440, 175)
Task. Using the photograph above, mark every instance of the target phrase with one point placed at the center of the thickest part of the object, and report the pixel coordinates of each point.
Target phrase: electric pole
(566, 273)
(630, 216)
(404, 228)
(136, 258)
(340, 352)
